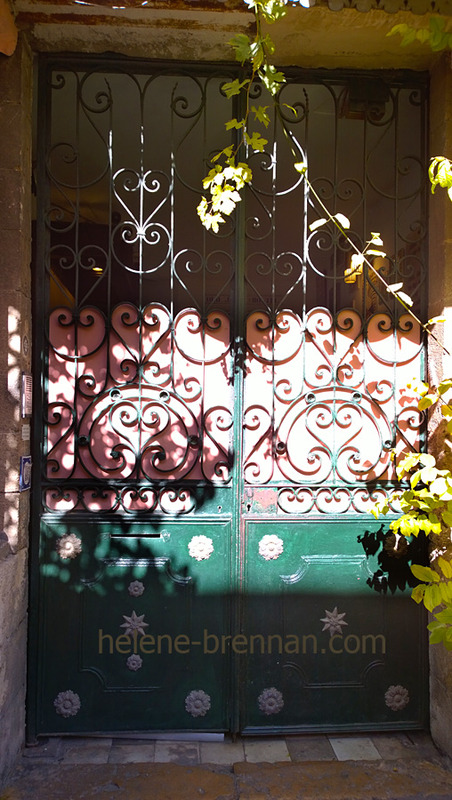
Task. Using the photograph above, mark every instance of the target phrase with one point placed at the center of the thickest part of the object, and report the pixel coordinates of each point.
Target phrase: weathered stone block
(14, 520)
(11, 198)
(12, 698)
(13, 593)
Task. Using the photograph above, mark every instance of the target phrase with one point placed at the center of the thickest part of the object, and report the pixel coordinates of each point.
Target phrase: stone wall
(15, 346)
(440, 364)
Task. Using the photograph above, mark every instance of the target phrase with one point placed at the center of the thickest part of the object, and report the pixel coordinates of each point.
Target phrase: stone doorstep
(331, 780)
(351, 780)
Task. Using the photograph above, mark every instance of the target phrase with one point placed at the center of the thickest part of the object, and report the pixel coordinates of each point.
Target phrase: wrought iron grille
(165, 342)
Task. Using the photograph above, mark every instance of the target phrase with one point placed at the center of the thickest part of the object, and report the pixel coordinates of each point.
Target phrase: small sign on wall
(24, 473)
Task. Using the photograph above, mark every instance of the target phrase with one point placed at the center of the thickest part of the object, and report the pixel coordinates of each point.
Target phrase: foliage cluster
(435, 36)
(426, 506)
(228, 176)
(426, 503)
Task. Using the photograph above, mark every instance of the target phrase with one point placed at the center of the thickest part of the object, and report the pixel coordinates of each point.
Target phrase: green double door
(217, 417)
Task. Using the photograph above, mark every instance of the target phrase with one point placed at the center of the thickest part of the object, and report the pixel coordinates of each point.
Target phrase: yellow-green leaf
(426, 401)
(317, 224)
(432, 597)
(445, 566)
(342, 220)
(234, 87)
(376, 253)
(404, 297)
(234, 123)
(418, 593)
(424, 573)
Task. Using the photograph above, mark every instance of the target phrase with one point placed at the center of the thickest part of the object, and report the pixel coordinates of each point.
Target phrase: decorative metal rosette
(200, 547)
(397, 698)
(270, 701)
(135, 622)
(197, 703)
(334, 622)
(134, 662)
(67, 704)
(135, 589)
(270, 547)
(69, 546)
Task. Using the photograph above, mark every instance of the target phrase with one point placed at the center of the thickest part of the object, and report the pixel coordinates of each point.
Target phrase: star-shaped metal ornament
(333, 622)
(134, 623)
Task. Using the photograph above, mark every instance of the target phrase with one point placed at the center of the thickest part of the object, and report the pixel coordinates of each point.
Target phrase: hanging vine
(426, 504)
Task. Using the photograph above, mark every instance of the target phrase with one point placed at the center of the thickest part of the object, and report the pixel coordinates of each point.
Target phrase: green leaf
(447, 518)
(234, 123)
(227, 152)
(435, 524)
(440, 172)
(242, 46)
(445, 566)
(376, 239)
(432, 597)
(271, 78)
(437, 38)
(418, 593)
(404, 297)
(445, 590)
(317, 224)
(415, 478)
(257, 54)
(445, 385)
(439, 486)
(445, 615)
(428, 474)
(256, 141)
(268, 44)
(234, 87)
(426, 459)
(394, 287)
(424, 573)
(260, 114)
(426, 401)
(401, 29)
(423, 35)
(437, 635)
(343, 221)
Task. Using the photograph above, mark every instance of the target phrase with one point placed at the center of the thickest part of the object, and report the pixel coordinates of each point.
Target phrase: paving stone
(46, 751)
(310, 748)
(423, 745)
(269, 750)
(392, 746)
(132, 753)
(88, 751)
(221, 752)
(354, 748)
(176, 752)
